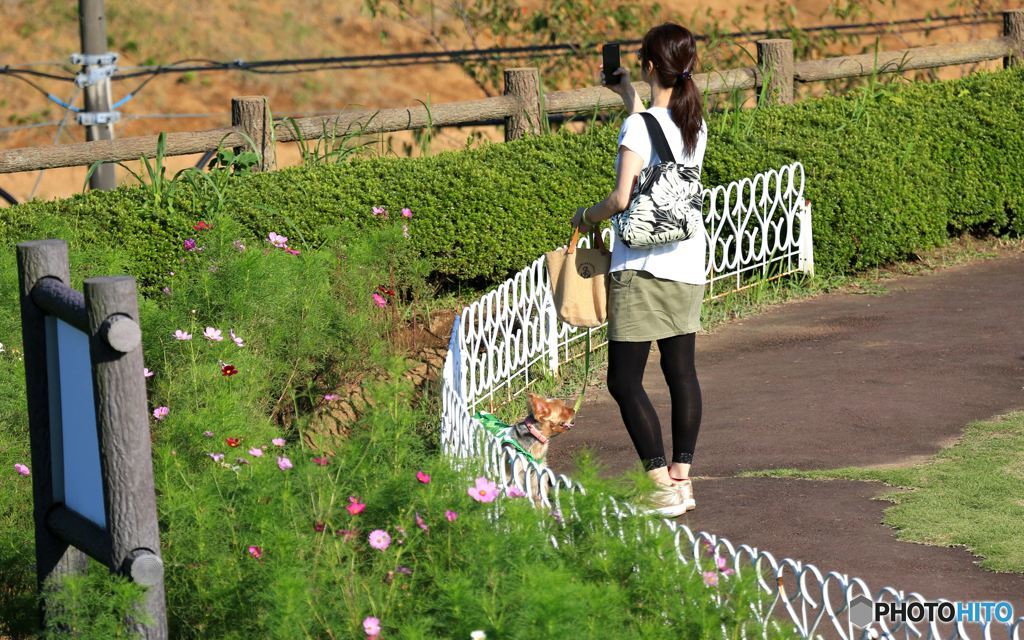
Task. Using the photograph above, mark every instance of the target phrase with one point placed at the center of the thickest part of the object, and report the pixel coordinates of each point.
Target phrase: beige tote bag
(579, 281)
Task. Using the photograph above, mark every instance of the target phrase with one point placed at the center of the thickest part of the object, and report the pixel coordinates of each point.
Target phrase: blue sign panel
(74, 435)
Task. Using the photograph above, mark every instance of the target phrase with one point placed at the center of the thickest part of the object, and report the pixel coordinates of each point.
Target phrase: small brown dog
(548, 418)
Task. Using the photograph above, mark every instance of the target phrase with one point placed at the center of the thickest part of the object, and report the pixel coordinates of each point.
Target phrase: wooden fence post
(524, 84)
(55, 559)
(1013, 28)
(775, 64)
(125, 449)
(252, 115)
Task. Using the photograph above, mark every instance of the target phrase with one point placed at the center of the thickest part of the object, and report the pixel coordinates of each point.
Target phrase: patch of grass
(970, 494)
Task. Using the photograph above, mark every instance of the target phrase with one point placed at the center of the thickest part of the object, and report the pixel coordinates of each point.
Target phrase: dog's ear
(538, 406)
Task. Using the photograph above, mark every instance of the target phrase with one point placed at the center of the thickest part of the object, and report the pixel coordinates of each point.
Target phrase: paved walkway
(841, 380)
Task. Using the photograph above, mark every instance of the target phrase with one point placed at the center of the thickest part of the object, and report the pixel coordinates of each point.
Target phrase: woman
(656, 293)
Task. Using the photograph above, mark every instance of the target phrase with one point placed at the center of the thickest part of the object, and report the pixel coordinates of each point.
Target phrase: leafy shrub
(888, 172)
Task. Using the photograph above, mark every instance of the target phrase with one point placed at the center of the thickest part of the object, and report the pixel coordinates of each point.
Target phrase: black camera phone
(610, 56)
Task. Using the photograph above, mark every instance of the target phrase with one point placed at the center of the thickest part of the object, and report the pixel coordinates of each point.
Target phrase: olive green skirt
(642, 307)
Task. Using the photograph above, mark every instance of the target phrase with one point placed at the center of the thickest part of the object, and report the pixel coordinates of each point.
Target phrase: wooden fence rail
(521, 106)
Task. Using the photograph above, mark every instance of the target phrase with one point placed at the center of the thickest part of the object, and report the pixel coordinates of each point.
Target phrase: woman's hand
(624, 88)
(577, 221)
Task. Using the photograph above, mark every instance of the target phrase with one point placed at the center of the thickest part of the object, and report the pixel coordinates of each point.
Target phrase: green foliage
(889, 171)
(305, 320)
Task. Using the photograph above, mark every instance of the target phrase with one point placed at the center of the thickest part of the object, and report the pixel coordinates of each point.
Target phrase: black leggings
(626, 364)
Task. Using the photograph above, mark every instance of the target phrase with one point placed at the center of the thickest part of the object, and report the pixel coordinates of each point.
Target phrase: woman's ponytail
(673, 50)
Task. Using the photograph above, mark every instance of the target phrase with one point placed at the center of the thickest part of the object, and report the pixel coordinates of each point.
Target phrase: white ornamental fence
(511, 337)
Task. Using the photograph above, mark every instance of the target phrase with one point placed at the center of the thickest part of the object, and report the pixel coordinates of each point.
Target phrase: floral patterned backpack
(666, 202)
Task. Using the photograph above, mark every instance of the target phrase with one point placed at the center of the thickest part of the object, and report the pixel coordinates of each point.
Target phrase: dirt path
(841, 380)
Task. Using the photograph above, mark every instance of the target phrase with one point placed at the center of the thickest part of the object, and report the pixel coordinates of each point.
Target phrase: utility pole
(97, 67)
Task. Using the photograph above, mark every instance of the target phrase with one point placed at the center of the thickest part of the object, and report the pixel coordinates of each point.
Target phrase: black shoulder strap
(658, 138)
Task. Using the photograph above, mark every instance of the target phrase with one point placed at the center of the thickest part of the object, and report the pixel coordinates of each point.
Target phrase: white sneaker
(667, 501)
(685, 490)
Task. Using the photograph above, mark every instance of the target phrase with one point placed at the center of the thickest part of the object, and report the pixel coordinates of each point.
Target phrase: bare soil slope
(150, 32)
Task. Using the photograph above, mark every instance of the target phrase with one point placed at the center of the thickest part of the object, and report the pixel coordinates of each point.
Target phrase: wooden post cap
(121, 333)
(146, 568)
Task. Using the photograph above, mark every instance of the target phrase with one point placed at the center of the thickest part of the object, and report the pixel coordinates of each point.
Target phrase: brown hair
(673, 50)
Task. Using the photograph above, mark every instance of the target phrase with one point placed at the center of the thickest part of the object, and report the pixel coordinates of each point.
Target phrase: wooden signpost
(89, 427)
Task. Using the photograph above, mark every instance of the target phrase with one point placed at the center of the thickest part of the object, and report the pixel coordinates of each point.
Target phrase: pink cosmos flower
(331, 397)
(421, 523)
(484, 490)
(723, 566)
(161, 412)
(450, 515)
(21, 469)
(379, 539)
(213, 334)
(217, 457)
(711, 578)
(380, 211)
(146, 373)
(406, 212)
(322, 461)
(255, 551)
(256, 452)
(189, 244)
(277, 240)
(379, 300)
(294, 252)
(278, 442)
(181, 335)
(371, 626)
(423, 477)
(514, 492)
(355, 507)
(235, 338)
(284, 463)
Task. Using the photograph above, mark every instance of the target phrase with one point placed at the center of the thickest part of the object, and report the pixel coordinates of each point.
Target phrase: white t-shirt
(684, 261)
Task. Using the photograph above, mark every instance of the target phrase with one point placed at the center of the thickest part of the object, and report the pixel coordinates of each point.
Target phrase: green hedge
(889, 172)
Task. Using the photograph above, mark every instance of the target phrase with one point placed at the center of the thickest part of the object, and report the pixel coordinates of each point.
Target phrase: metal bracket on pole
(96, 67)
(88, 118)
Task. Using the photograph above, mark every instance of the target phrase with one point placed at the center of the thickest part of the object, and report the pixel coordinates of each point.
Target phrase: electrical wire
(531, 51)
(56, 138)
(8, 69)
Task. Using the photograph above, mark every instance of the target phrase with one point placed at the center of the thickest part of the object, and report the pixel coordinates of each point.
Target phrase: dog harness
(503, 431)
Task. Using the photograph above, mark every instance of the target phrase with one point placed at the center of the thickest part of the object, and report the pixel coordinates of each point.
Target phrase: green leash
(586, 376)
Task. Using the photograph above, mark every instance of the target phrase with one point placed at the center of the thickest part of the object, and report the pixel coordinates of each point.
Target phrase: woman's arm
(630, 164)
(625, 90)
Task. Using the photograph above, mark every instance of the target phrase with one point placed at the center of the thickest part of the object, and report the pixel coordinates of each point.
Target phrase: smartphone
(610, 56)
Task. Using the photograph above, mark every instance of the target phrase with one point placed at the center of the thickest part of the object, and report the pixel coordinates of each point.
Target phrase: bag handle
(658, 137)
(596, 241)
